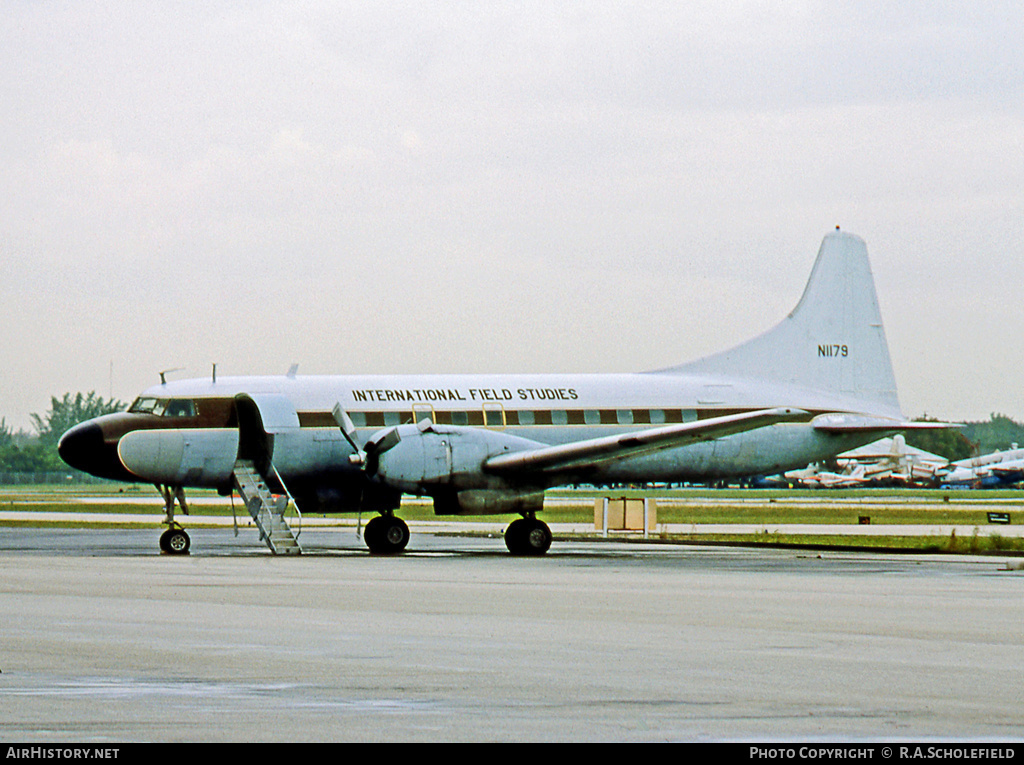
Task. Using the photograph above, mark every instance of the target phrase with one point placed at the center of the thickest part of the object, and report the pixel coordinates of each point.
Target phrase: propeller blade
(348, 429)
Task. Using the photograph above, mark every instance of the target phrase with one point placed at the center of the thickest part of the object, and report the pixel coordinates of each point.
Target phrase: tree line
(37, 453)
(971, 439)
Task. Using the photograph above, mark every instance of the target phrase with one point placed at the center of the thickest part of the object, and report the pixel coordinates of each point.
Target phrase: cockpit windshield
(180, 407)
(143, 406)
(162, 407)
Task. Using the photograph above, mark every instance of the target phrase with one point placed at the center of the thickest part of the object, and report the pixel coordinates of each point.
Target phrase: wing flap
(596, 451)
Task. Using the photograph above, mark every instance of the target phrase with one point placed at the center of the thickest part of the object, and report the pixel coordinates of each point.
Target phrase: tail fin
(832, 341)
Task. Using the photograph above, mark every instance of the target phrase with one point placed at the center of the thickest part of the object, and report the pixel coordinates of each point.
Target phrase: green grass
(764, 508)
(772, 507)
(811, 515)
(971, 545)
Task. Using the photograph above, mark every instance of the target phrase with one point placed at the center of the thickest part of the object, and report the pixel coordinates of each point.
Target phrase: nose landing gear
(174, 541)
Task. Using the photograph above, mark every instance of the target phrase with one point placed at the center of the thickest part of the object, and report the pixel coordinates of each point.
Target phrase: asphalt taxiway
(103, 639)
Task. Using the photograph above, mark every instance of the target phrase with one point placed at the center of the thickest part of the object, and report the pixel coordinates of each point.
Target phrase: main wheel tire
(514, 536)
(386, 535)
(528, 536)
(175, 542)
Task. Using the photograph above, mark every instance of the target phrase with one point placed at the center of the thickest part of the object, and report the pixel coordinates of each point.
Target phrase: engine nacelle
(488, 502)
(440, 459)
(183, 457)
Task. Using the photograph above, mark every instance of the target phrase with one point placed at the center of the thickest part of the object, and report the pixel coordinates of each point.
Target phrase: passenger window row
(498, 417)
(493, 416)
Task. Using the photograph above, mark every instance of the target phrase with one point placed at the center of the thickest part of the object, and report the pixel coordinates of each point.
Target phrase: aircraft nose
(82, 448)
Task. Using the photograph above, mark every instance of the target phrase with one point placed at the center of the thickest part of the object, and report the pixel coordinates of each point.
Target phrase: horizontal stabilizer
(583, 454)
(861, 423)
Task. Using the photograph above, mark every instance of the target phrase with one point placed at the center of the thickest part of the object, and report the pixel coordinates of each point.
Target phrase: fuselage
(196, 429)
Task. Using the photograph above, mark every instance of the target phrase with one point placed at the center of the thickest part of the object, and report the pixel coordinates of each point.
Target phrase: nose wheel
(175, 541)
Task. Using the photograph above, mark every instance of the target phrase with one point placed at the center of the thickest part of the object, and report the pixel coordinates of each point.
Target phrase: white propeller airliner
(817, 384)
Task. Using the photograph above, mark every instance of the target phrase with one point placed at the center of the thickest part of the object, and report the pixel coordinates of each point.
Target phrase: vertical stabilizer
(832, 341)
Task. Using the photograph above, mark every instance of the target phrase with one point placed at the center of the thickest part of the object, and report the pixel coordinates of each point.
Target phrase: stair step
(266, 508)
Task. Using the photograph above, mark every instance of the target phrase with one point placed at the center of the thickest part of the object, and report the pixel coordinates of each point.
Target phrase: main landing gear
(386, 535)
(174, 541)
(528, 536)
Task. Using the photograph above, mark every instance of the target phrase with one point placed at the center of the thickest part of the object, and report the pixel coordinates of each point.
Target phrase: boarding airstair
(269, 510)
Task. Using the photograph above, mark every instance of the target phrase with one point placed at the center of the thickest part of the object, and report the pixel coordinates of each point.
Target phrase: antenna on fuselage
(163, 380)
(215, 373)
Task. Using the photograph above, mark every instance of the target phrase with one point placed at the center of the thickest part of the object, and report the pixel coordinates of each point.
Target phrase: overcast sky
(501, 187)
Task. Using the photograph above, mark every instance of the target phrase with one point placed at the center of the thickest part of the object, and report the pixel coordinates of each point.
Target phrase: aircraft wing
(1008, 467)
(597, 451)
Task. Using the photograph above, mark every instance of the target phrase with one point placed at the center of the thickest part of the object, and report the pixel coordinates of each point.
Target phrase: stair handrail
(297, 528)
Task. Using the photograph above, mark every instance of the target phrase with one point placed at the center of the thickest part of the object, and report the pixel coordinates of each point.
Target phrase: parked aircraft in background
(987, 471)
(886, 462)
(890, 462)
(816, 385)
(814, 477)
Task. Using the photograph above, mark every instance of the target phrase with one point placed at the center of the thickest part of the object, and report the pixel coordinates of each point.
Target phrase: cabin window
(591, 417)
(422, 412)
(624, 416)
(559, 417)
(392, 418)
(358, 419)
(657, 417)
(527, 418)
(493, 416)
